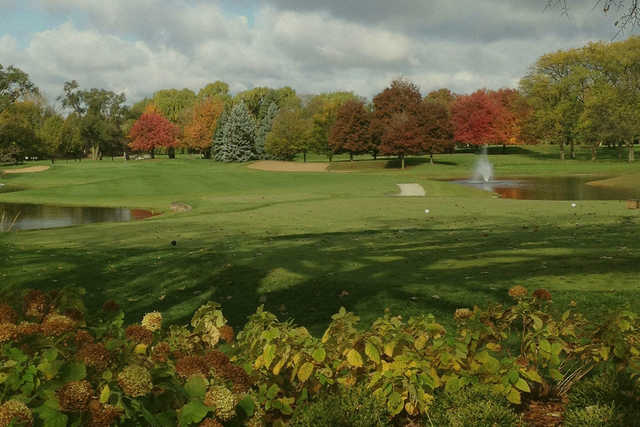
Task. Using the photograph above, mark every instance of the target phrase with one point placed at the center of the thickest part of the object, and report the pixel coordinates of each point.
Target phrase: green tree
(238, 139)
(323, 111)
(264, 127)
(51, 134)
(15, 85)
(289, 135)
(19, 124)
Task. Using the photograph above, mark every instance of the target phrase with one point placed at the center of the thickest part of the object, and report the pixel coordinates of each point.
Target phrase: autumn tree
(237, 137)
(323, 112)
(152, 131)
(289, 135)
(394, 109)
(198, 132)
(438, 129)
(351, 131)
(512, 120)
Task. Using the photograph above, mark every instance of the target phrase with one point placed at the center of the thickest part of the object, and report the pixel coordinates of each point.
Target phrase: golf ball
(426, 211)
(573, 205)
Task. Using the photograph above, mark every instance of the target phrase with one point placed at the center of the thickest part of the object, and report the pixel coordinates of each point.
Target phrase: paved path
(411, 190)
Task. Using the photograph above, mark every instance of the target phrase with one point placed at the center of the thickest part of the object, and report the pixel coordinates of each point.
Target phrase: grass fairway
(305, 244)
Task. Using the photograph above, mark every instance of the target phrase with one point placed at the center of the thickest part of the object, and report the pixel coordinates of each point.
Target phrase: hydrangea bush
(60, 368)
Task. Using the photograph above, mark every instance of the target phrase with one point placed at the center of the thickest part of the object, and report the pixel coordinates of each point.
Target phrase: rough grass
(306, 244)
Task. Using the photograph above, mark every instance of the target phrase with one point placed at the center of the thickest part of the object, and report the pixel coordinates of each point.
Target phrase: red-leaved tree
(152, 131)
(437, 128)
(478, 119)
(350, 132)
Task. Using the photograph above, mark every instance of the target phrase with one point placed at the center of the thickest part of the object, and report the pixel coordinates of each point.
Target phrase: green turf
(306, 244)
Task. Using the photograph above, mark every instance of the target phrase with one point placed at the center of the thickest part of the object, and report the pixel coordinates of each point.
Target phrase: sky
(141, 46)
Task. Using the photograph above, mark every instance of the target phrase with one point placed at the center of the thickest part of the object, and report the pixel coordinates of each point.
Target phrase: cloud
(142, 46)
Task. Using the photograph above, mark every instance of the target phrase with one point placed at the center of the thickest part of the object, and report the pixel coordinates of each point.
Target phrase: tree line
(588, 95)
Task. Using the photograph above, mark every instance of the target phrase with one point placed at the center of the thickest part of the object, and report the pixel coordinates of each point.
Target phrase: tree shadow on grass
(308, 277)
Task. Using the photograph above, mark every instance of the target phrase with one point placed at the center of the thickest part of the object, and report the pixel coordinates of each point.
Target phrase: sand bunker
(411, 190)
(31, 169)
(277, 166)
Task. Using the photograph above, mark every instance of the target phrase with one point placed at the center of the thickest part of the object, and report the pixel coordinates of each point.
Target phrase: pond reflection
(554, 188)
(33, 217)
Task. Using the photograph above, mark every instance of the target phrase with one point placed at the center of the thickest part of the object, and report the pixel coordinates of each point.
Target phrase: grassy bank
(306, 244)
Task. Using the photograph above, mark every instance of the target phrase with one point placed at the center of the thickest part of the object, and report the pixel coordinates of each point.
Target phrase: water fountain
(483, 169)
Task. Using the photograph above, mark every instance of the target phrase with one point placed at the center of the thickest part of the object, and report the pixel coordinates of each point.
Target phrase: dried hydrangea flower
(138, 334)
(26, 329)
(75, 396)
(462, 314)
(36, 304)
(103, 415)
(16, 412)
(8, 332)
(56, 324)
(542, 294)
(210, 422)
(7, 314)
(226, 333)
(222, 400)
(518, 292)
(191, 365)
(160, 352)
(152, 321)
(135, 381)
(95, 356)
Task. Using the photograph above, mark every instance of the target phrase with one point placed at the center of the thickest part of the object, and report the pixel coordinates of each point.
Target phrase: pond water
(33, 217)
(555, 188)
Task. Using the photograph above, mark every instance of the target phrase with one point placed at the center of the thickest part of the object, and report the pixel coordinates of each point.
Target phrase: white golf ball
(426, 211)
(573, 205)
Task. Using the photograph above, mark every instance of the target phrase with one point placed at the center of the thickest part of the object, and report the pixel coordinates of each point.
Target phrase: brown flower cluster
(110, 306)
(226, 333)
(83, 337)
(152, 321)
(36, 304)
(210, 422)
(216, 360)
(135, 381)
(14, 412)
(75, 396)
(103, 415)
(518, 292)
(8, 332)
(55, 325)
(74, 314)
(463, 314)
(160, 352)
(191, 365)
(542, 294)
(95, 356)
(222, 400)
(7, 314)
(139, 334)
(222, 366)
(26, 329)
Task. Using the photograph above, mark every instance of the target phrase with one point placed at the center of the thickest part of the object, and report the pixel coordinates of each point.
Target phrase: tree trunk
(330, 157)
(172, 153)
(351, 157)
(375, 156)
(504, 148)
(594, 152)
(304, 156)
(153, 153)
(572, 150)
(53, 160)
(431, 158)
(562, 150)
(632, 154)
(402, 160)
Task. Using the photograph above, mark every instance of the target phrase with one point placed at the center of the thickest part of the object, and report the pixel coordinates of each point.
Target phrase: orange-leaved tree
(478, 119)
(151, 131)
(198, 133)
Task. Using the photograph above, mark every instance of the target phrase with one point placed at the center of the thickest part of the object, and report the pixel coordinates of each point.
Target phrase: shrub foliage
(60, 368)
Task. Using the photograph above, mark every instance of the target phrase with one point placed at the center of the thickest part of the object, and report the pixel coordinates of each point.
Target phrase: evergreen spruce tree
(264, 128)
(237, 143)
(217, 135)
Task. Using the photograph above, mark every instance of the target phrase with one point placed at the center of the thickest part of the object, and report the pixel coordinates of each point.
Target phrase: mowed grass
(306, 244)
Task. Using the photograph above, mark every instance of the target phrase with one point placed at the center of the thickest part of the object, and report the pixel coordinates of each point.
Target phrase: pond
(34, 217)
(553, 188)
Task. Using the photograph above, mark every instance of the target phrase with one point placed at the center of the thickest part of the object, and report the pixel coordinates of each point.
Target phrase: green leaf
(395, 404)
(196, 386)
(372, 352)
(192, 412)
(105, 394)
(74, 372)
(319, 354)
(354, 358)
(50, 354)
(269, 354)
(545, 346)
(514, 396)
(248, 406)
(522, 385)
(305, 372)
(453, 385)
(273, 391)
(51, 417)
(556, 374)
(533, 375)
(537, 322)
